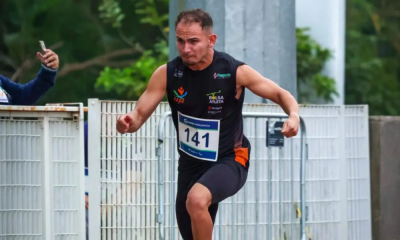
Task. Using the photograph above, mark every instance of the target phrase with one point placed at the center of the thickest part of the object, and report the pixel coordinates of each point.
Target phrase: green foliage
(131, 81)
(86, 31)
(84, 34)
(111, 12)
(66, 24)
(311, 58)
(373, 55)
(147, 9)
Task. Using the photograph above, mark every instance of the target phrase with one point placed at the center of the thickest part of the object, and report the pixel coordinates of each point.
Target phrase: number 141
(195, 137)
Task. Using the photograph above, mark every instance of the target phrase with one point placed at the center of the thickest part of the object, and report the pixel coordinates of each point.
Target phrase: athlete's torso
(205, 111)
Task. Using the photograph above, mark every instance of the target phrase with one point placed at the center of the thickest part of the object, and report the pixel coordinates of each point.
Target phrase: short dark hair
(195, 15)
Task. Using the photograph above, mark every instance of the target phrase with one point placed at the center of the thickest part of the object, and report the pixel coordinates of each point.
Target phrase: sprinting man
(205, 90)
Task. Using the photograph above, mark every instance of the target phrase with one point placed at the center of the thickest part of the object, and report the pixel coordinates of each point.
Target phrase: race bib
(198, 137)
(3, 96)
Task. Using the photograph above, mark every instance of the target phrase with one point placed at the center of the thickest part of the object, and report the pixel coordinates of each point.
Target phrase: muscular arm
(150, 99)
(265, 88)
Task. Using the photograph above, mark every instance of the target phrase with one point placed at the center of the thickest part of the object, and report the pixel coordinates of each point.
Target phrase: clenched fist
(124, 123)
(291, 126)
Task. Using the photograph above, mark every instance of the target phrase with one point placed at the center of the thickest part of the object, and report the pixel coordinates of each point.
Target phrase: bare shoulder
(158, 79)
(161, 71)
(246, 75)
(251, 79)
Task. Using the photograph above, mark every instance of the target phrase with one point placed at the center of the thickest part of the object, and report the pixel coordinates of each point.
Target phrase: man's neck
(203, 64)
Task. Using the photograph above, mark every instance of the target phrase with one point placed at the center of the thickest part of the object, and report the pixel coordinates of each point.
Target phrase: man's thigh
(224, 179)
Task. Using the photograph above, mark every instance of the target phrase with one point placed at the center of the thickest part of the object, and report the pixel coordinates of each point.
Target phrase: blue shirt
(12, 93)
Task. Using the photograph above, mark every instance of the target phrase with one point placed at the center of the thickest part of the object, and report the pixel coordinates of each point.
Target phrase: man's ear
(212, 39)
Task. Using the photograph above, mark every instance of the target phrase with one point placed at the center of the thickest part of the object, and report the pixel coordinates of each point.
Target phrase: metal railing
(161, 216)
(337, 177)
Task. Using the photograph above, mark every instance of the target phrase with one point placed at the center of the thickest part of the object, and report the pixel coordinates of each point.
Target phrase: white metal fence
(41, 176)
(124, 175)
(263, 208)
(337, 172)
(41, 173)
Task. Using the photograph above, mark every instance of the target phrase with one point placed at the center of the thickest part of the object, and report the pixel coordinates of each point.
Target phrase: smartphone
(42, 46)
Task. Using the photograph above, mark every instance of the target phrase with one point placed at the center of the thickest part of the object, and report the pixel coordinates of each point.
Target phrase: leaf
(311, 58)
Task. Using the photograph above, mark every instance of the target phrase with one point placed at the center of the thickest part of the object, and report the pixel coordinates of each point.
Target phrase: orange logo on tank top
(180, 95)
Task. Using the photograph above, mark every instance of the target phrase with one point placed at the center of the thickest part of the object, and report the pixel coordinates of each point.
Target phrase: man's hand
(49, 59)
(146, 104)
(291, 126)
(124, 123)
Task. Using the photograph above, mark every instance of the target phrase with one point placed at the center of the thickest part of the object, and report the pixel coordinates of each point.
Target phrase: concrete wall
(385, 177)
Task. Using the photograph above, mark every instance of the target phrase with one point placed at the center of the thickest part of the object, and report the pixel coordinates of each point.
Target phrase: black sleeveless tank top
(206, 114)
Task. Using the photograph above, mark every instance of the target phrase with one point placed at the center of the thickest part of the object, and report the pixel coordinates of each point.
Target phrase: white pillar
(326, 20)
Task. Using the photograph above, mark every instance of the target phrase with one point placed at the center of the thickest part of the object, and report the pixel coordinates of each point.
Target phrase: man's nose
(186, 48)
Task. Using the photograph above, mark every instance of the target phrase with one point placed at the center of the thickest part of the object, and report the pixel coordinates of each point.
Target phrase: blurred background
(347, 52)
(108, 49)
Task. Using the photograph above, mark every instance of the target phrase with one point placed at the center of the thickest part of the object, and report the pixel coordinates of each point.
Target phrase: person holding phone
(12, 93)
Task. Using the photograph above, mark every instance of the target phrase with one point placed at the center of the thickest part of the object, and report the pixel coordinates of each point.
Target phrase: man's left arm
(32, 91)
(265, 88)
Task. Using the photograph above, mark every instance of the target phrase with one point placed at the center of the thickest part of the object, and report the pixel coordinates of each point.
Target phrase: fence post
(160, 155)
(343, 175)
(80, 166)
(48, 212)
(94, 184)
(367, 146)
(303, 158)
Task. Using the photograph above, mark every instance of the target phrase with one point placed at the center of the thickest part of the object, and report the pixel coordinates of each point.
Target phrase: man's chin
(189, 63)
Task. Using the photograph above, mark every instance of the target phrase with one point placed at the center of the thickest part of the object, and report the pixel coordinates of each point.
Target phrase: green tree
(76, 32)
(311, 59)
(132, 80)
(373, 55)
(67, 27)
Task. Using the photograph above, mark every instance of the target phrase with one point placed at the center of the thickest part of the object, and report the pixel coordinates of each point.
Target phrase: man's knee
(198, 199)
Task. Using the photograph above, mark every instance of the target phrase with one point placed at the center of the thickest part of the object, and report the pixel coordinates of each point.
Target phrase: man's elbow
(285, 96)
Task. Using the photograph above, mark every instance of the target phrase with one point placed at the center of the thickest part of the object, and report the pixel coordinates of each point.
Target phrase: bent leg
(186, 181)
(197, 204)
(183, 218)
(218, 183)
(224, 180)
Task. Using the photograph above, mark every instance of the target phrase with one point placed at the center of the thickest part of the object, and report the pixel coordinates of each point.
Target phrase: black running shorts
(223, 178)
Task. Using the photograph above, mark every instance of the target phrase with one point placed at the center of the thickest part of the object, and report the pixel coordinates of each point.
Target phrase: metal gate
(269, 206)
(41, 173)
(337, 196)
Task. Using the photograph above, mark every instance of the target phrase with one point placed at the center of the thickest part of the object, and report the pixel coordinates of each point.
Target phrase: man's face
(193, 42)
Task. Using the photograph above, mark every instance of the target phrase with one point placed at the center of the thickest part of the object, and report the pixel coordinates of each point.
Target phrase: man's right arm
(150, 99)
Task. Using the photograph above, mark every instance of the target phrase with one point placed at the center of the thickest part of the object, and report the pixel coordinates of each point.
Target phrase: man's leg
(186, 180)
(220, 182)
(182, 217)
(197, 204)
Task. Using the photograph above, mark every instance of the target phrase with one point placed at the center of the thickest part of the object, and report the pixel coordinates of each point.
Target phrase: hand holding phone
(48, 57)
